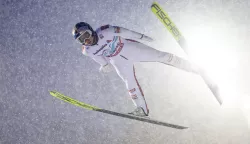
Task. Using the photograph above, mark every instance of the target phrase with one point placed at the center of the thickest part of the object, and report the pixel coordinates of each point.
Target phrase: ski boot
(139, 111)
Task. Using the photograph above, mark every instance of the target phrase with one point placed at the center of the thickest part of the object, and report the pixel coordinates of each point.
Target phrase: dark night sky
(39, 54)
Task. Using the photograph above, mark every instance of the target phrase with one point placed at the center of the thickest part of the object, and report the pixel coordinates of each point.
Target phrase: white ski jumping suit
(116, 46)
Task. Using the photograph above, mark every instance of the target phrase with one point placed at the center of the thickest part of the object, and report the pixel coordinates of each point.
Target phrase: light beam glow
(208, 48)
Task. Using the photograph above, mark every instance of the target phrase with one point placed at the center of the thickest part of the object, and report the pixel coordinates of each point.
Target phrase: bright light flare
(245, 107)
(209, 49)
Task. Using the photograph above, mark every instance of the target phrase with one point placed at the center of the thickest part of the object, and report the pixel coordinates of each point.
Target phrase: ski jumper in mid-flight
(118, 47)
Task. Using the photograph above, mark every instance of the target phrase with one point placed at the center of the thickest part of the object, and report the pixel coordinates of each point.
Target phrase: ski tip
(181, 127)
(219, 100)
(154, 4)
(216, 91)
(53, 93)
(221, 103)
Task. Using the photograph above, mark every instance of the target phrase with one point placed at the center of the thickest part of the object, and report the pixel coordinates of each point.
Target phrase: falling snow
(38, 54)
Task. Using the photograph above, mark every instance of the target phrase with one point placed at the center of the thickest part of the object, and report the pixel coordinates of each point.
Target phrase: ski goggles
(83, 37)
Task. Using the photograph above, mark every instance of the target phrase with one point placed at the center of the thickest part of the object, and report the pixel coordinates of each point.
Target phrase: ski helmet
(83, 31)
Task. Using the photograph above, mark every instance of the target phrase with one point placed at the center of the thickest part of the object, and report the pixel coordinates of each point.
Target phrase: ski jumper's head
(85, 34)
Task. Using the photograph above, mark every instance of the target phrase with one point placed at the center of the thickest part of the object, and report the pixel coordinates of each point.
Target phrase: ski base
(143, 119)
(90, 107)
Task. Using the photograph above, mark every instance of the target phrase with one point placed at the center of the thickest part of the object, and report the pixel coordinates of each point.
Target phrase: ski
(172, 28)
(212, 86)
(91, 107)
(169, 24)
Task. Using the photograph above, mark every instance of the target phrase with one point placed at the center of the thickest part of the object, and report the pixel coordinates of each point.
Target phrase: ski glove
(106, 68)
(126, 33)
